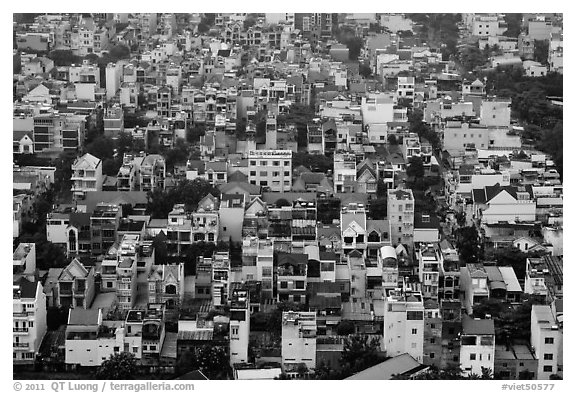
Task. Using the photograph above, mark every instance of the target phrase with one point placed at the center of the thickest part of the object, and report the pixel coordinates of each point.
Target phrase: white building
(29, 320)
(298, 339)
(86, 175)
(404, 324)
(239, 326)
(545, 338)
(270, 168)
(477, 345)
(401, 216)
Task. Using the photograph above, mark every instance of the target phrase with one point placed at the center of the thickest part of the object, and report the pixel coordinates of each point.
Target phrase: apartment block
(29, 320)
(271, 169)
(298, 340)
(401, 216)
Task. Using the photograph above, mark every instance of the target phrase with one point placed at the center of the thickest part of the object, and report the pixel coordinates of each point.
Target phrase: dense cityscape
(283, 196)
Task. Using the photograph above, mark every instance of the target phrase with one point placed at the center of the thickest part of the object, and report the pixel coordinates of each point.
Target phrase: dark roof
(27, 288)
(432, 223)
(477, 326)
(313, 268)
(80, 316)
(293, 259)
(324, 302)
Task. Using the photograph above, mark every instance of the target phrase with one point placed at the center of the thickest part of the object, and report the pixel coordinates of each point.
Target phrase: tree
(378, 208)
(514, 24)
(392, 140)
(314, 162)
(472, 57)
(211, 360)
(541, 48)
(360, 352)
(381, 189)
(119, 52)
(64, 58)
(468, 244)
(120, 366)
(364, 70)
(282, 202)
(415, 167)
(178, 154)
(552, 143)
(345, 328)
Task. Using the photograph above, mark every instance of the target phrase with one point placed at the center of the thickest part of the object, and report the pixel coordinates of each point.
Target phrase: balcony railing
(21, 345)
(20, 330)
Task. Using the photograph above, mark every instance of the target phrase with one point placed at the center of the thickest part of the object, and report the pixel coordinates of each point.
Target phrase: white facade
(239, 327)
(477, 346)
(505, 207)
(298, 339)
(377, 109)
(271, 168)
(545, 338)
(29, 320)
(404, 324)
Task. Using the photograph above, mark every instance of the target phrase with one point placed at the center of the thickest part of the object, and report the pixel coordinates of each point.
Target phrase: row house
(404, 324)
(451, 325)
(152, 173)
(401, 216)
(449, 287)
(345, 172)
(239, 325)
(432, 333)
(24, 260)
(75, 287)
(258, 263)
(303, 226)
(430, 259)
(546, 338)
(292, 273)
(544, 277)
(353, 228)
(166, 285)
(28, 320)
(497, 204)
(221, 278)
(178, 231)
(298, 341)
(104, 222)
(206, 220)
(86, 175)
(477, 345)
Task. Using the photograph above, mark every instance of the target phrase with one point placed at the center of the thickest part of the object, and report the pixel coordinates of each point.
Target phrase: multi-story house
(152, 173)
(495, 112)
(104, 223)
(406, 89)
(432, 333)
(451, 315)
(86, 175)
(292, 269)
(344, 172)
(221, 278)
(353, 228)
(166, 285)
(258, 263)
(88, 342)
(75, 285)
(449, 287)
(127, 272)
(497, 204)
(153, 333)
(546, 336)
(206, 220)
(271, 169)
(367, 178)
(178, 230)
(113, 121)
(298, 340)
(239, 325)
(544, 277)
(24, 260)
(477, 345)
(303, 222)
(404, 324)
(231, 213)
(429, 262)
(29, 320)
(401, 216)
(473, 285)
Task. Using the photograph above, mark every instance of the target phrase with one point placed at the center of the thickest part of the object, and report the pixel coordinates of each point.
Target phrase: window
(432, 341)
(276, 163)
(286, 173)
(134, 349)
(152, 347)
(263, 163)
(286, 163)
(263, 173)
(548, 356)
(252, 173)
(547, 369)
(432, 326)
(283, 284)
(414, 331)
(31, 324)
(472, 356)
(432, 355)
(297, 298)
(235, 331)
(549, 340)
(413, 345)
(116, 349)
(253, 163)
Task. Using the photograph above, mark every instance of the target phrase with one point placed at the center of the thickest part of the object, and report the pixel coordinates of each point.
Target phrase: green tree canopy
(120, 366)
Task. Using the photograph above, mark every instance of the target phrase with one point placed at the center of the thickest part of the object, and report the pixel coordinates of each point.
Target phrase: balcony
(20, 330)
(21, 345)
